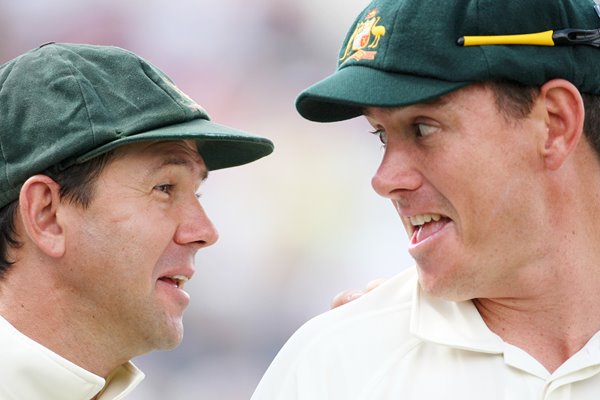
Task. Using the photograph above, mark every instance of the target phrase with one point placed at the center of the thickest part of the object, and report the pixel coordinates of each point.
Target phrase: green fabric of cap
(63, 104)
(402, 52)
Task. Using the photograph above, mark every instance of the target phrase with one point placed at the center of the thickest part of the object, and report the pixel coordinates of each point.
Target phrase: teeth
(418, 220)
(180, 280)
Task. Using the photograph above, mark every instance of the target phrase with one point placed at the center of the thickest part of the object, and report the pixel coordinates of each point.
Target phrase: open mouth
(176, 280)
(424, 226)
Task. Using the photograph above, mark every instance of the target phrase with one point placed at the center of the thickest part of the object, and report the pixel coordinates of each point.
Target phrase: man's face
(131, 251)
(464, 179)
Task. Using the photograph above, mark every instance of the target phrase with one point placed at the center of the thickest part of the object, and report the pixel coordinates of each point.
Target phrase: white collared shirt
(398, 343)
(29, 371)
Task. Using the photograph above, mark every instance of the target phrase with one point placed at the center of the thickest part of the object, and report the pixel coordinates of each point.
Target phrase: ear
(564, 113)
(39, 201)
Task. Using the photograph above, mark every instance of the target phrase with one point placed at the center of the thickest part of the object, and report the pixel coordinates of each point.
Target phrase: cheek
(497, 209)
(127, 240)
(145, 235)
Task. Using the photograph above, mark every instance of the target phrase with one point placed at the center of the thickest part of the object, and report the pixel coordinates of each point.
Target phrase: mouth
(177, 281)
(422, 226)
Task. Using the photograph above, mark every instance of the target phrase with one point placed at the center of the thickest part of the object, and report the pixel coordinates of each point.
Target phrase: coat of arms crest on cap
(366, 36)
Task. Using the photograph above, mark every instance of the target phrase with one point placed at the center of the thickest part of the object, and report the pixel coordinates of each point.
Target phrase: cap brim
(344, 94)
(220, 146)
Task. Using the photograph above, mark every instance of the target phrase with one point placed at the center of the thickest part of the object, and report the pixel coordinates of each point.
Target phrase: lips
(177, 281)
(423, 226)
(171, 285)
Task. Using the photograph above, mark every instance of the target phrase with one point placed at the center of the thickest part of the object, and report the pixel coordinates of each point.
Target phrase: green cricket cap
(64, 104)
(403, 52)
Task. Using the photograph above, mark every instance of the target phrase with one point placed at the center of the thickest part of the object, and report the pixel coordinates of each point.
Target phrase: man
(101, 159)
(491, 159)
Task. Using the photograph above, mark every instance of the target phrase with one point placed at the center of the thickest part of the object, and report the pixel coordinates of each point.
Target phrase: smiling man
(491, 159)
(101, 159)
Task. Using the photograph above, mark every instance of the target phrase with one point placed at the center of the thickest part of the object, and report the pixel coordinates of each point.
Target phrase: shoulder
(344, 343)
(393, 298)
(389, 304)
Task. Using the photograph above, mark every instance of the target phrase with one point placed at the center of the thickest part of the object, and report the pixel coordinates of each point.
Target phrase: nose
(196, 228)
(397, 174)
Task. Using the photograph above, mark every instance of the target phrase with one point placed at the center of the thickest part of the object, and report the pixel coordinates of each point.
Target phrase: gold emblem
(366, 36)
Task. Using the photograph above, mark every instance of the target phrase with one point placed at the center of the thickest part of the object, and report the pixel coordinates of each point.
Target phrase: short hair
(516, 101)
(77, 186)
(591, 125)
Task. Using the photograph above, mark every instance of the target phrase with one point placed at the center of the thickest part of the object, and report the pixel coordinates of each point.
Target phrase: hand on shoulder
(352, 294)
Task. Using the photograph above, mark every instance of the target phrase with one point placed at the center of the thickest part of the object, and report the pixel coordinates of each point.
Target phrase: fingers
(374, 283)
(348, 295)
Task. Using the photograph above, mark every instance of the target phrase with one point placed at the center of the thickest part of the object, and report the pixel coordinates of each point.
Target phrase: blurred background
(296, 227)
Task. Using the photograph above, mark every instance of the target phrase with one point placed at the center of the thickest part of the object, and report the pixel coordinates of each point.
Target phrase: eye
(164, 188)
(381, 134)
(424, 130)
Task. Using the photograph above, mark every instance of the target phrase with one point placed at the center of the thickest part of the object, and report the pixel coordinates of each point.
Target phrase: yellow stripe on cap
(532, 39)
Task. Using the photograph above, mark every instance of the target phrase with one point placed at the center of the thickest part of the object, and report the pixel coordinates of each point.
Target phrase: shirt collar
(31, 371)
(121, 382)
(459, 325)
(453, 324)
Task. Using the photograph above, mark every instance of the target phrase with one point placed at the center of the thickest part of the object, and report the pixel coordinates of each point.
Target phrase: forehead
(471, 95)
(156, 155)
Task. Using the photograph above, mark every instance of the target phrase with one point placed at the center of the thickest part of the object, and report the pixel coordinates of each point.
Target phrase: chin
(169, 336)
(172, 344)
(442, 287)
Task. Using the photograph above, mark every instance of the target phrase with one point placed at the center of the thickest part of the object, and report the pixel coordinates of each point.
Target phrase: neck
(551, 307)
(549, 346)
(555, 319)
(50, 319)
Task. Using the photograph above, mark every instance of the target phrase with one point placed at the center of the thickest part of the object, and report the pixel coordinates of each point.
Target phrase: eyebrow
(180, 161)
(436, 102)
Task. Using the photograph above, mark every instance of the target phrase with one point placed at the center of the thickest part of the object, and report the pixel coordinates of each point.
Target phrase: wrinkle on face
(125, 240)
